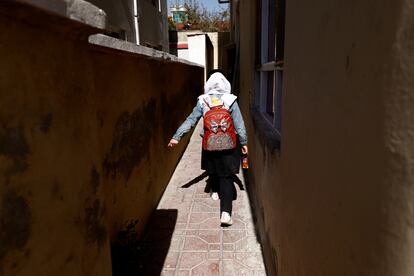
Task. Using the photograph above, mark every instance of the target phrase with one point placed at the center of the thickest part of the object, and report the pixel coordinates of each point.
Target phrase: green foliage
(171, 24)
(208, 21)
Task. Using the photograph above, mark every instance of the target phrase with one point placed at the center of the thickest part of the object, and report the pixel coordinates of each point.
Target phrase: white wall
(183, 53)
(197, 49)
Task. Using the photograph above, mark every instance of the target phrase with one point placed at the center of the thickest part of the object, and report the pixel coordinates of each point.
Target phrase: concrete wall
(120, 17)
(152, 23)
(219, 40)
(200, 51)
(197, 49)
(264, 158)
(216, 44)
(83, 134)
(337, 197)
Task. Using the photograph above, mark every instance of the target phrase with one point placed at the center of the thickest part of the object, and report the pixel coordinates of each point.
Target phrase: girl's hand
(172, 143)
(245, 150)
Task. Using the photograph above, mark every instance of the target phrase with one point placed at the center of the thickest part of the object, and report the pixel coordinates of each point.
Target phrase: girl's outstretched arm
(185, 127)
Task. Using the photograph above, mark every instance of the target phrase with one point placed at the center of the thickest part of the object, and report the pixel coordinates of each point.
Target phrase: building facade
(143, 22)
(209, 49)
(327, 92)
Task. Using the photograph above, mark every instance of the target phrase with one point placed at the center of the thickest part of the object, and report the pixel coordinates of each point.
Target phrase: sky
(211, 5)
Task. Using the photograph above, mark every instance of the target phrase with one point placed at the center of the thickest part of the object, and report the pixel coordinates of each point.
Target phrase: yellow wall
(337, 198)
(83, 134)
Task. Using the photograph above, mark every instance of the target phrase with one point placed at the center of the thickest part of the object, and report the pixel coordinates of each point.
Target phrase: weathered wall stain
(13, 145)
(131, 139)
(56, 191)
(15, 223)
(170, 115)
(69, 258)
(55, 140)
(94, 211)
(95, 180)
(94, 228)
(46, 123)
(100, 117)
(173, 114)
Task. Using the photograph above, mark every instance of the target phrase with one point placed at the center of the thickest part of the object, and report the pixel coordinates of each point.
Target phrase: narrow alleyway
(184, 236)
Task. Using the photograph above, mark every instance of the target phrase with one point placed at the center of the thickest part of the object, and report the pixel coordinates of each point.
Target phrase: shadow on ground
(146, 256)
(210, 183)
(195, 180)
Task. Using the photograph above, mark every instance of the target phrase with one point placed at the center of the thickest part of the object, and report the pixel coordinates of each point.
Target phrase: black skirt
(221, 163)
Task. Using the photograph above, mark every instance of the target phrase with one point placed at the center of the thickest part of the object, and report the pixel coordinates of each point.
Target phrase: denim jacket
(197, 113)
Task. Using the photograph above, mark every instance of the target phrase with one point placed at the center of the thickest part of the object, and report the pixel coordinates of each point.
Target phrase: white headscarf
(217, 85)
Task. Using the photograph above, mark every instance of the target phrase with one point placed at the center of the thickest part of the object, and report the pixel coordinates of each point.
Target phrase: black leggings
(225, 187)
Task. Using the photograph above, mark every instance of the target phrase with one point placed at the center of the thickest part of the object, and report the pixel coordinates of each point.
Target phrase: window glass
(269, 94)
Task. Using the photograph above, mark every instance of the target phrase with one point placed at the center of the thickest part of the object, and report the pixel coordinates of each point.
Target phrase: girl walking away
(223, 124)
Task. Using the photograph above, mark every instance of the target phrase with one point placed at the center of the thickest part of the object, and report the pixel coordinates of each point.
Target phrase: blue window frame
(270, 71)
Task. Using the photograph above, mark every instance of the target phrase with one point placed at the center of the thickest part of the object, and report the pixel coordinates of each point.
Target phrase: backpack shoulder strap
(207, 103)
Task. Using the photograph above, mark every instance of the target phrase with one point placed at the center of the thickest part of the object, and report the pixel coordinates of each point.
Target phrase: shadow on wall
(131, 256)
(173, 39)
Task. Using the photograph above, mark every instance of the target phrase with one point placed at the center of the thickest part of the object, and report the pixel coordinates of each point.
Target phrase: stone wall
(83, 135)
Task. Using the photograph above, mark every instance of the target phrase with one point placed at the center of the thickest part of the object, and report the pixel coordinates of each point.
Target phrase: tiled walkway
(185, 237)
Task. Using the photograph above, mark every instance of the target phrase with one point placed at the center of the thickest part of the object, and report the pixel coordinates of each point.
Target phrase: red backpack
(219, 132)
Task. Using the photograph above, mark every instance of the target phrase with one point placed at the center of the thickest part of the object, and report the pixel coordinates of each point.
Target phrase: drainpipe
(136, 23)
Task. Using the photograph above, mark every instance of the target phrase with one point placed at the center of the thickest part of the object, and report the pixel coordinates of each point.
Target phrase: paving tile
(184, 273)
(243, 215)
(189, 260)
(182, 217)
(200, 189)
(259, 273)
(176, 243)
(228, 247)
(208, 201)
(248, 244)
(213, 223)
(210, 236)
(215, 255)
(238, 224)
(228, 255)
(193, 226)
(234, 268)
(167, 272)
(175, 203)
(251, 260)
(180, 228)
(171, 260)
(195, 244)
(214, 247)
(202, 207)
(208, 268)
(185, 235)
(231, 236)
(237, 205)
(201, 217)
(188, 197)
(251, 231)
(202, 196)
(191, 232)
